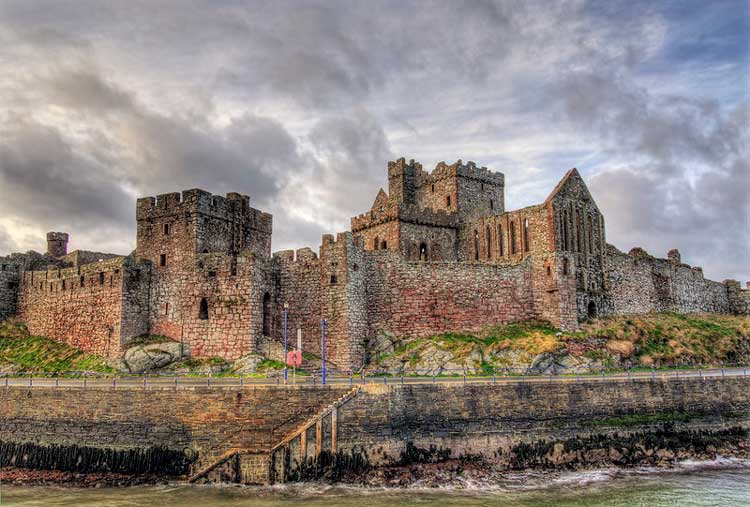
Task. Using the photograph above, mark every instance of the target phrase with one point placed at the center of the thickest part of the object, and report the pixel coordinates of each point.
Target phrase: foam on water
(690, 484)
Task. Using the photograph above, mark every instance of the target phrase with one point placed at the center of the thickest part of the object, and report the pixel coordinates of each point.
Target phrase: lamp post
(323, 350)
(286, 342)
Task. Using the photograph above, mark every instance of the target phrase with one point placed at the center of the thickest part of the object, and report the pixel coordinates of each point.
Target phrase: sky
(301, 104)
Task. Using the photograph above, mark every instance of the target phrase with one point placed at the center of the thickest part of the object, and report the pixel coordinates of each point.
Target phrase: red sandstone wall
(78, 306)
(424, 298)
(235, 304)
(299, 286)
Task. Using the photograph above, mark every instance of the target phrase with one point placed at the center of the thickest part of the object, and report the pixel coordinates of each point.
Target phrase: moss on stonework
(21, 353)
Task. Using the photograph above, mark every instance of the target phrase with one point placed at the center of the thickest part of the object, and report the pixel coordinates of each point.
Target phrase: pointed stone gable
(381, 201)
(572, 186)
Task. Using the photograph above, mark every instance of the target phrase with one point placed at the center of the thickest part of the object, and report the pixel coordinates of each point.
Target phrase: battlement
(302, 255)
(404, 213)
(468, 170)
(200, 201)
(400, 165)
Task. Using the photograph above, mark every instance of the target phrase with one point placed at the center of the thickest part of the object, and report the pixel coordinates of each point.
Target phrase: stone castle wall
(438, 254)
(739, 298)
(298, 284)
(423, 298)
(81, 306)
(640, 283)
(214, 307)
(10, 271)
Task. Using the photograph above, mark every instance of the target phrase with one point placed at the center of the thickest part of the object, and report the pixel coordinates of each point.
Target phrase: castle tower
(174, 228)
(57, 244)
(402, 180)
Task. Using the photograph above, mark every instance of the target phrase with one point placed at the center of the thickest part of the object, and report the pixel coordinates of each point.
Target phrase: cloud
(6, 242)
(677, 170)
(301, 105)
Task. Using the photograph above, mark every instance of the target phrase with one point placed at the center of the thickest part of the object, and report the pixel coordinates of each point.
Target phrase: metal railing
(487, 375)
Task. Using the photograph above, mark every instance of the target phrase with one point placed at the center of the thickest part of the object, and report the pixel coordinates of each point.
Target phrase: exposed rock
(152, 356)
(247, 364)
(557, 363)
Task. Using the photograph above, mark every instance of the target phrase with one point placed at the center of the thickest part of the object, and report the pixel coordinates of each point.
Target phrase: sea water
(690, 485)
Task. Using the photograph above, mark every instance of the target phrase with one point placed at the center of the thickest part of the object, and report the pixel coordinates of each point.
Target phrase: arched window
(203, 309)
(383, 245)
(267, 314)
(492, 204)
(166, 229)
(590, 229)
(500, 241)
(488, 240)
(579, 232)
(423, 251)
(512, 238)
(448, 201)
(565, 266)
(565, 232)
(476, 245)
(375, 243)
(526, 234)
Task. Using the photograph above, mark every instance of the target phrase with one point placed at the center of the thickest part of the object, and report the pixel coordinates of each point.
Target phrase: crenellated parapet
(232, 207)
(404, 213)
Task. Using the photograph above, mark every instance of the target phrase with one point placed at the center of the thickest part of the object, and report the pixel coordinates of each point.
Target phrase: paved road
(149, 382)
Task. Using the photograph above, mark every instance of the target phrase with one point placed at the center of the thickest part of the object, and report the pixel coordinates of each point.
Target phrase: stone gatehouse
(438, 252)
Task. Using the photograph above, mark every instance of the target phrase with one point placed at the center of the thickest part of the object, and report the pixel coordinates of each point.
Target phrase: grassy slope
(662, 339)
(25, 353)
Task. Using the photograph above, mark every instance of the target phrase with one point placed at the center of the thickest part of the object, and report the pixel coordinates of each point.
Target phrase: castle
(437, 253)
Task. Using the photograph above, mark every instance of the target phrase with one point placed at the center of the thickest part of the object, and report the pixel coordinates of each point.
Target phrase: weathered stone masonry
(436, 253)
(377, 422)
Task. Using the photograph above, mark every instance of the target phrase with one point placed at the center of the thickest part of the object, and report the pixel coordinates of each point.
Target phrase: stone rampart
(639, 283)
(84, 306)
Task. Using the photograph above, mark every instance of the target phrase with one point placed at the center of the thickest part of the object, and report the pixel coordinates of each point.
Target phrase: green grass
(27, 353)
(660, 340)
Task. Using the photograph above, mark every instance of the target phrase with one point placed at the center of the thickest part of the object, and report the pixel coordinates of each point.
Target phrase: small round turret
(57, 244)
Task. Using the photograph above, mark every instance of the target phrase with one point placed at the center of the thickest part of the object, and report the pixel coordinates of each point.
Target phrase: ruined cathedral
(438, 252)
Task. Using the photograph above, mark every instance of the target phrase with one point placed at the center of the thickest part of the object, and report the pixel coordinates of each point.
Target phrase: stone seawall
(483, 419)
(375, 426)
(203, 423)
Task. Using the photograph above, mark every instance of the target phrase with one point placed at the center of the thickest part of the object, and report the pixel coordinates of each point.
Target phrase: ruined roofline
(443, 170)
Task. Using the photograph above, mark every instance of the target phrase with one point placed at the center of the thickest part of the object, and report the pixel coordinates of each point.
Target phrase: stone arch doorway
(266, 314)
(591, 310)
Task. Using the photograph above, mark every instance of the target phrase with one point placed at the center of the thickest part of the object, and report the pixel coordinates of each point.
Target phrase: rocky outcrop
(152, 356)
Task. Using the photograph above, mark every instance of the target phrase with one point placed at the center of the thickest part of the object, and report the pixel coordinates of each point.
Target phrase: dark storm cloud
(300, 105)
